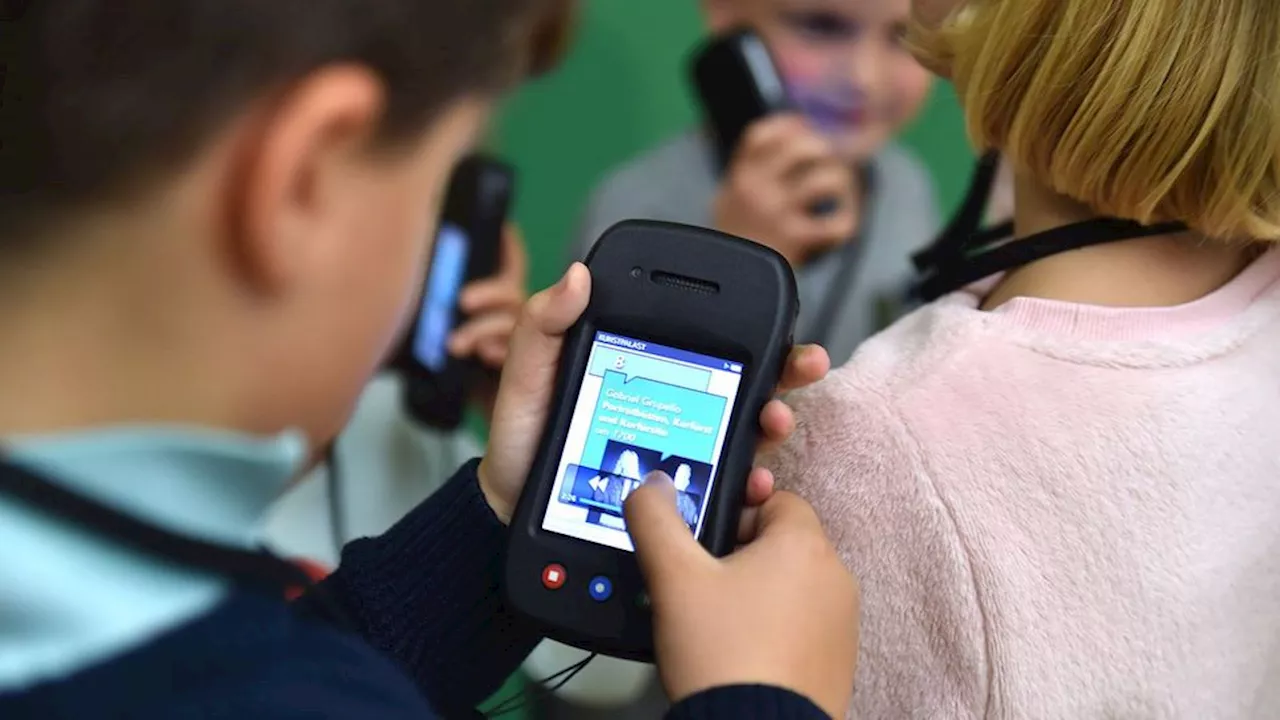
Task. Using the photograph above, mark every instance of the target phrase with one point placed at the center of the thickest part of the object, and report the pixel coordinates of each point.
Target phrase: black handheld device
(683, 342)
(737, 83)
(468, 247)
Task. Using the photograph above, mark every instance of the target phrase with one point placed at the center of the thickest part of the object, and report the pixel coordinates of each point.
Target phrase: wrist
(502, 507)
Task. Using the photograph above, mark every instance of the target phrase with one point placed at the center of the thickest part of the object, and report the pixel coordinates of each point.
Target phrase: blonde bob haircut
(1151, 110)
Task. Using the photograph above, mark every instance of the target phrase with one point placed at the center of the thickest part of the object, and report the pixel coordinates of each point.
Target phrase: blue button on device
(600, 588)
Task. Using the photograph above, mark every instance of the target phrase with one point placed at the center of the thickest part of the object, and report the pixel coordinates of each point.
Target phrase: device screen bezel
(647, 330)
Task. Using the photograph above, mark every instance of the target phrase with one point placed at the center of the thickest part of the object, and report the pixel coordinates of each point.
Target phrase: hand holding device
(780, 172)
(527, 388)
(527, 391)
(781, 611)
(672, 364)
(492, 305)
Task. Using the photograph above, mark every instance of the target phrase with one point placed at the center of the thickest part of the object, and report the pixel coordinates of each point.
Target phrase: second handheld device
(438, 386)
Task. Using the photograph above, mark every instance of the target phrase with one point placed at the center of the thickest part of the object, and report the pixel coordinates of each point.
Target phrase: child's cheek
(908, 91)
(800, 66)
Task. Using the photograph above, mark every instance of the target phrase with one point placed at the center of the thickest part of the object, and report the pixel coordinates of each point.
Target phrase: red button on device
(553, 577)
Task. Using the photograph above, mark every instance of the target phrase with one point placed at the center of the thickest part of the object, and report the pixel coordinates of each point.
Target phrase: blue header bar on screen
(669, 353)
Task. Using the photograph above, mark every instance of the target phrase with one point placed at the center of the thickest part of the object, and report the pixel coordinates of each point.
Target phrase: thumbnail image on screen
(641, 407)
(439, 300)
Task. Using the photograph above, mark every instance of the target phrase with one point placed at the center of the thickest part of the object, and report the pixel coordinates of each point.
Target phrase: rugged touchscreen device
(682, 344)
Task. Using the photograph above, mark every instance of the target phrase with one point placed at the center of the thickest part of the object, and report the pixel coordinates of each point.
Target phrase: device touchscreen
(641, 407)
(440, 298)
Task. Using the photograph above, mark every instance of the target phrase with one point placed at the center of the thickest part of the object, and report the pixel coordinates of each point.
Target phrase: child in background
(1058, 485)
(857, 86)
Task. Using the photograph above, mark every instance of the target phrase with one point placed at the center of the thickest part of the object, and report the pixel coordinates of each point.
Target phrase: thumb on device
(528, 386)
(664, 546)
(539, 334)
(528, 378)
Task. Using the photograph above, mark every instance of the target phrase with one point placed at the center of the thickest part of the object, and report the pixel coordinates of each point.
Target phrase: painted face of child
(844, 63)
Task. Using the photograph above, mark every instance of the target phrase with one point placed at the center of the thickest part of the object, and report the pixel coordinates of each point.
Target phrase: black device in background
(468, 247)
(683, 342)
(737, 83)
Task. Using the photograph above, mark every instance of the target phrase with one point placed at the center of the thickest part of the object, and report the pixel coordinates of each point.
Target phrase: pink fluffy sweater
(1059, 510)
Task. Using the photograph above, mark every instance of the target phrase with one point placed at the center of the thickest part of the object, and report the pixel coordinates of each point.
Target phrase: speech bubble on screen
(633, 366)
(639, 407)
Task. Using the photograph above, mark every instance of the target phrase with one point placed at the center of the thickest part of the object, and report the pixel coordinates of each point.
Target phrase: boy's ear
(292, 164)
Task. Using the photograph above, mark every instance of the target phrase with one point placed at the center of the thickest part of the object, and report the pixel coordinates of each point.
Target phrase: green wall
(621, 90)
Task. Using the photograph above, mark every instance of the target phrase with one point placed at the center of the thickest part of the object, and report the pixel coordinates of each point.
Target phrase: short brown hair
(103, 95)
(1143, 109)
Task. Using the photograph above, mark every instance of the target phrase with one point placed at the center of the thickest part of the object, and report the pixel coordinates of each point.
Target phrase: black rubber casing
(478, 201)
(733, 299)
(737, 82)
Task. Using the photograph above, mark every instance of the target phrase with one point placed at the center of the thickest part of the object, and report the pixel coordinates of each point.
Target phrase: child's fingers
(767, 136)
(747, 525)
(485, 295)
(493, 353)
(759, 489)
(528, 379)
(804, 149)
(806, 365)
(515, 258)
(777, 422)
(507, 288)
(759, 486)
(466, 340)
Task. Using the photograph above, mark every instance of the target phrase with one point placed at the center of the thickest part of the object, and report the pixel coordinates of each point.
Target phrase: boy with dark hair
(216, 217)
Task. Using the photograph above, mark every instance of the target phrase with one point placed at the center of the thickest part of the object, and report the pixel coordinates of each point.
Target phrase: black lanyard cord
(989, 236)
(258, 569)
(960, 232)
(337, 515)
(1022, 251)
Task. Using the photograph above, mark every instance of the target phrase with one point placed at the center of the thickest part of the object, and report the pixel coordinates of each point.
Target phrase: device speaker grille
(684, 282)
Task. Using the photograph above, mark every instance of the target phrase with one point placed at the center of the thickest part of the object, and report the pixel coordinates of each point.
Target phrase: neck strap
(983, 263)
(260, 569)
(960, 232)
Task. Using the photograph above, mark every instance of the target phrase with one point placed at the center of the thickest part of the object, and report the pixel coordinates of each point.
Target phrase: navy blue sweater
(431, 638)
